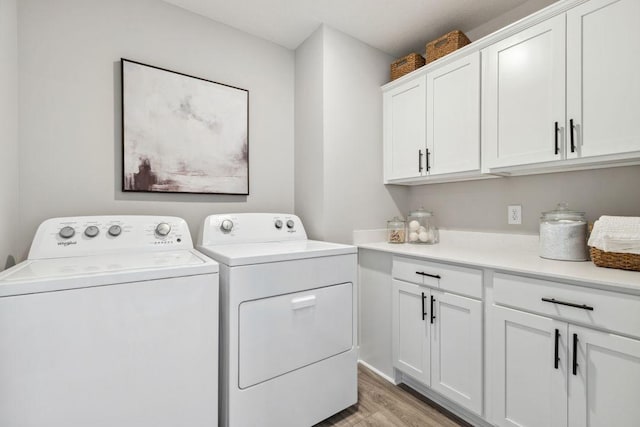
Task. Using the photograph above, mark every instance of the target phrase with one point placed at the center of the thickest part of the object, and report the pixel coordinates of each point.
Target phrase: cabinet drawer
(594, 307)
(458, 280)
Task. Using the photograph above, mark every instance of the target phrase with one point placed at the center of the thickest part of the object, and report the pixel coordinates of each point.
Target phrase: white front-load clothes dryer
(288, 321)
(112, 321)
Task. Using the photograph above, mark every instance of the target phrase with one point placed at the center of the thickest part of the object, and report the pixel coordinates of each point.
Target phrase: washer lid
(46, 275)
(259, 253)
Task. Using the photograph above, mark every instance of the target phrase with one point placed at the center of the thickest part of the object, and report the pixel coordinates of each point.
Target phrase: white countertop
(504, 252)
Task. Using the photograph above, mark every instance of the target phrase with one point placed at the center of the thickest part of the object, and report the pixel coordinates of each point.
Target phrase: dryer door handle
(303, 302)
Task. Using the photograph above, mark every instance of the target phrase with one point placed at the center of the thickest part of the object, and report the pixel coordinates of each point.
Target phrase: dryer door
(286, 332)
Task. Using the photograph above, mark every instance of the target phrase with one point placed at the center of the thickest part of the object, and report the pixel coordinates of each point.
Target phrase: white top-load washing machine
(288, 321)
(111, 321)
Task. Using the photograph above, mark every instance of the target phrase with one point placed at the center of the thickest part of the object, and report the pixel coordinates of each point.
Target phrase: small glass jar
(396, 230)
(422, 227)
(563, 235)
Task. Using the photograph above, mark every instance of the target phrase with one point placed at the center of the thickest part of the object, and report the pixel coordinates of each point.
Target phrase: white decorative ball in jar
(422, 225)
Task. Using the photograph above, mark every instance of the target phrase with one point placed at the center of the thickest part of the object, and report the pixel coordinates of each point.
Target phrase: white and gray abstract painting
(183, 134)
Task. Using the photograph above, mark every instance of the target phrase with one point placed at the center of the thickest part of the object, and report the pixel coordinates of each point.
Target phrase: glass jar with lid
(396, 230)
(422, 227)
(563, 234)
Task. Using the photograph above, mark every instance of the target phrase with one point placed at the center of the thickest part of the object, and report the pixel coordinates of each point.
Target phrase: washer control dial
(278, 224)
(226, 225)
(163, 229)
(91, 231)
(290, 224)
(67, 232)
(115, 230)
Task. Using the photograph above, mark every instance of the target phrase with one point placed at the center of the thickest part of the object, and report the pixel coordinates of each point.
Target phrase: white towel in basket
(616, 234)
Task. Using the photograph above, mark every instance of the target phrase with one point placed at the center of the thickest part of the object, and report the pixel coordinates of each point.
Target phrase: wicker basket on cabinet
(445, 45)
(617, 260)
(405, 65)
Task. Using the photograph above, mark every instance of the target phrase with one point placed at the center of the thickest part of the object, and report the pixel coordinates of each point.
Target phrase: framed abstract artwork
(182, 134)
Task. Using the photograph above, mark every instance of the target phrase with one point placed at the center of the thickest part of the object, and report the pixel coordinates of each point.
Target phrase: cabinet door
(529, 382)
(524, 96)
(453, 117)
(411, 330)
(605, 389)
(404, 129)
(603, 77)
(456, 349)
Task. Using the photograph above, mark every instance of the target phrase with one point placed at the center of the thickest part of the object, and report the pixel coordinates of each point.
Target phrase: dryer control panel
(250, 228)
(90, 235)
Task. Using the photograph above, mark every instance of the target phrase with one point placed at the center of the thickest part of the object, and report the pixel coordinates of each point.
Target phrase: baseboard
(379, 373)
(457, 410)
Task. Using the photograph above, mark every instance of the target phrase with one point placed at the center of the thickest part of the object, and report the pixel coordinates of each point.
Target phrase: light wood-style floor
(382, 404)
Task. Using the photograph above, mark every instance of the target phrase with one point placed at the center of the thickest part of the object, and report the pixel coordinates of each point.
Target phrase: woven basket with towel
(615, 242)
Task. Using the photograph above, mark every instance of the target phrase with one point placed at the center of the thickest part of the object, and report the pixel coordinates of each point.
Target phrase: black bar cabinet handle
(575, 354)
(573, 144)
(569, 304)
(433, 316)
(419, 161)
(427, 157)
(423, 313)
(555, 129)
(556, 358)
(435, 276)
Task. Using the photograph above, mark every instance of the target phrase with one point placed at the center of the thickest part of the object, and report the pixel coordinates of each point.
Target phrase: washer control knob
(67, 232)
(91, 231)
(163, 229)
(278, 224)
(290, 224)
(226, 225)
(115, 230)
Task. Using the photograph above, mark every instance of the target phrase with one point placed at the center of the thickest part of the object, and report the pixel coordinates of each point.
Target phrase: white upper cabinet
(603, 77)
(404, 130)
(559, 90)
(558, 114)
(432, 124)
(523, 96)
(453, 117)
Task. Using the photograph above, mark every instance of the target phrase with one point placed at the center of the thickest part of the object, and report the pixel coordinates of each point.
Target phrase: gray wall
(8, 131)
(69, 124)
(347, 150)
(482, 205)
(309, 153)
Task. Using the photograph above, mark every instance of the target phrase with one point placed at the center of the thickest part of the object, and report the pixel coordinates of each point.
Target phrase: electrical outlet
(514, 214)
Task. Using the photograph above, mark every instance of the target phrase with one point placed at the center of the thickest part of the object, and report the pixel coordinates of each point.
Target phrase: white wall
(354, 194)
(70, 137)
(309, 135)
(350, 154)
(515, 14)
(8, 131)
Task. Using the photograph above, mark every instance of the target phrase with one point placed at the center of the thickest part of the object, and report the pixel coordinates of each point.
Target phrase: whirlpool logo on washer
(71, 242)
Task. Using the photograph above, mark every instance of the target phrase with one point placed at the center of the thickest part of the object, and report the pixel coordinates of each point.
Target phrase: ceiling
(397, 27)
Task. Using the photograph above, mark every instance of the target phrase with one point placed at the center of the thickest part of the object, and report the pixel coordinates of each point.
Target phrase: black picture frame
(183, 134)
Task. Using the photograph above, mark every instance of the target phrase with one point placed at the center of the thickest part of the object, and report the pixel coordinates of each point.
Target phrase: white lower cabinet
(410, 331)
(549, 371)
(605, 388)
(437, 339)
(456, 349)
(530, 387)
